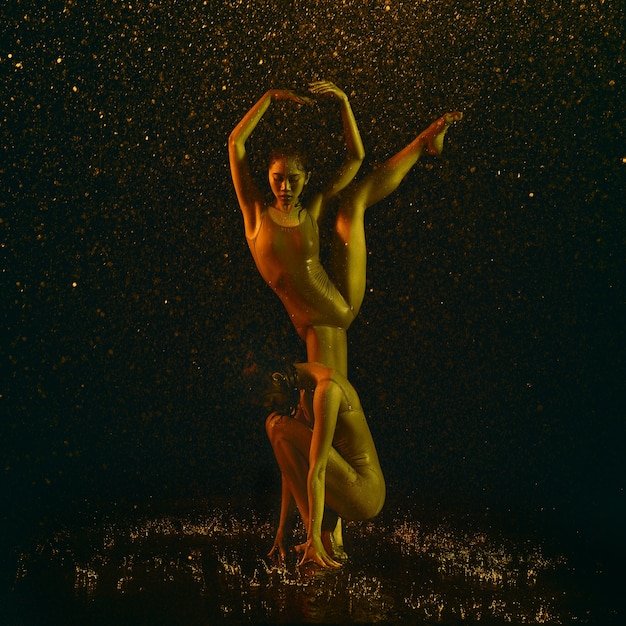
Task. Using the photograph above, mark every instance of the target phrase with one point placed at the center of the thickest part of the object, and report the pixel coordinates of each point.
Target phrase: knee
(350, 216)
(272, 425)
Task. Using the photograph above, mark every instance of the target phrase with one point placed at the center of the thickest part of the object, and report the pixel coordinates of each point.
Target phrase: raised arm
(249, 197)
(354, 146)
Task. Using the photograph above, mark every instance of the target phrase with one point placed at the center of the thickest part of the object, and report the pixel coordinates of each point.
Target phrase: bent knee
(378, 507)
(372, 507)
(271, 422)
(370, 502)
(352, 207)
(279, 426)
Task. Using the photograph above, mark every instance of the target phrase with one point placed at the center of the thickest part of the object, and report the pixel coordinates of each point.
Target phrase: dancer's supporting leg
(349, 250)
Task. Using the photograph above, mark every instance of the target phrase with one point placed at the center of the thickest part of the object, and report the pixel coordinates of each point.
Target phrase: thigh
(355, 494)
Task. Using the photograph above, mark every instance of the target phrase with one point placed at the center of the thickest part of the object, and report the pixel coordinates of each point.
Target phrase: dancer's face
(287, 180)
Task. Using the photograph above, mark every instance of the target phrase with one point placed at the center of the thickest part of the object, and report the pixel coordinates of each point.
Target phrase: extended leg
(349, 252)
(328, 345)
(384, 179)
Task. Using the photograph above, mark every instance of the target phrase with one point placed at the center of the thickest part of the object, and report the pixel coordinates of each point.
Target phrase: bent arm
(354, 145)
(249, 197)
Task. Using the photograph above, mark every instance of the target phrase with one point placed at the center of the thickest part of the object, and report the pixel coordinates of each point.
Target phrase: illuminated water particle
(403, 570)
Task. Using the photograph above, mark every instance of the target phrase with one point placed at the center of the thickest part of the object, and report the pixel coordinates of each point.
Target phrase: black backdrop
(489, 350)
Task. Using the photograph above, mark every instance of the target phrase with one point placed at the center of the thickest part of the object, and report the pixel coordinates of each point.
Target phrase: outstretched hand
(325, 87)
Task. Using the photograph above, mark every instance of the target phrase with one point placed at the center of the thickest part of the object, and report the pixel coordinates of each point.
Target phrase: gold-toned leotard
(288, 259)
(352, 438)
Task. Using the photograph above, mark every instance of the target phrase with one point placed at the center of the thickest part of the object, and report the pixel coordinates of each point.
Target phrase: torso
(287, 256)
(352, 438)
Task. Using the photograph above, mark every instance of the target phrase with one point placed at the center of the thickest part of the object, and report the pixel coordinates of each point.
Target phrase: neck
(287, 208)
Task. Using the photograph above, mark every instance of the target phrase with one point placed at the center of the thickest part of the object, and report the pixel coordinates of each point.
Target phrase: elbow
(317, 480)
(357, 156)
(317, 477)
(236, 147)
(355, 162)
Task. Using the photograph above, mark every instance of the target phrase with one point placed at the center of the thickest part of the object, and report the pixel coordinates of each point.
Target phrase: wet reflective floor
(210, 568)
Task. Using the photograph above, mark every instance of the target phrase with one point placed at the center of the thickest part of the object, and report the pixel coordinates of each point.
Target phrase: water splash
(214, 565)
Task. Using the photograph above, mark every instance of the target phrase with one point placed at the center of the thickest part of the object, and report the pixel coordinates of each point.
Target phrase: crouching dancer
(327, 458)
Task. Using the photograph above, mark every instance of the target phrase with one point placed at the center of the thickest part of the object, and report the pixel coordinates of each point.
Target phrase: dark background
(489, 350)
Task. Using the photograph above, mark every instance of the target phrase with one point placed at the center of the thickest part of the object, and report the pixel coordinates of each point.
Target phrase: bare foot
(433, 136)
(327, 542)
(334, 549)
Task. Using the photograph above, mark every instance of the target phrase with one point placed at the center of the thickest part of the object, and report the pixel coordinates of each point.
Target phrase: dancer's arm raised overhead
(354, 146)
(250, 197)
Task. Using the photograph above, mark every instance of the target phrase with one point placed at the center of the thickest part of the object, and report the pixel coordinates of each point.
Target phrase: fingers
(310, 555)
(321, 84)
(321, 560)
(455, 116)
(325, 87)
(331, 562)
(281, 552)
(288, 94)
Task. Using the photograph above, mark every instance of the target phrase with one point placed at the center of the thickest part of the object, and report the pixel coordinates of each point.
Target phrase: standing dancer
(283, 236)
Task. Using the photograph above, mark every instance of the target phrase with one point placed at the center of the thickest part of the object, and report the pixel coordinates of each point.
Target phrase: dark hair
(282, 393)
(293, 152)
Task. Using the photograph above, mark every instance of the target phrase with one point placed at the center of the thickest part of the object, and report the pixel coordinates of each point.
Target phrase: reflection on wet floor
(211, 568)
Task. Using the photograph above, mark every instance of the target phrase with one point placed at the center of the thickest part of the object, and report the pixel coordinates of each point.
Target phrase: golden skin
(325, 334)
(287, 180)
(332, 340)
(328, 344)
(284, 241)
(326, 458)
(297, 280)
